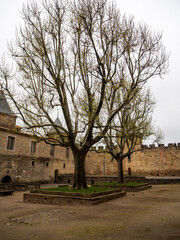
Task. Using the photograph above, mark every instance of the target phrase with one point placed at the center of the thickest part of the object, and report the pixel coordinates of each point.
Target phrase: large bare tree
(66, 54)
(130, 127)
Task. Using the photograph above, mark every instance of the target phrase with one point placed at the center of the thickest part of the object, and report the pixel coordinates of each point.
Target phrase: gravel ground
(152, 214)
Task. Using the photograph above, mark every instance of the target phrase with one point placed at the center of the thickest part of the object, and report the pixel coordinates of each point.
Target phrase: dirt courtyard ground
(153, 214)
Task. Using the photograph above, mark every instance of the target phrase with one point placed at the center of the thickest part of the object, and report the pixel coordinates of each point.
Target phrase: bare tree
(130, 127)
(67, 54)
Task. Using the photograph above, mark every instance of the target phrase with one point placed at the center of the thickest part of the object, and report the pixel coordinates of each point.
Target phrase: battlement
(160, 146)
(150, 146)
(99, 148)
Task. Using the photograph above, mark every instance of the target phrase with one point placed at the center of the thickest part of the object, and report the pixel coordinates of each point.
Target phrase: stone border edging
(6, 192)
(138, 188)
(64, 198)
(74, 194)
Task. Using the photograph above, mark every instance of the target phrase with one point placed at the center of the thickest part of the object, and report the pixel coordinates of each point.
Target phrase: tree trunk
(79, 170)
(120, 171)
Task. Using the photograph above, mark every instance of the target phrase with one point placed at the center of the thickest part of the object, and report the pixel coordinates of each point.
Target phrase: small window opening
(33, 147)
(67, 152)
(47, 164)
(33, 163)
(64, 165)
(10, 143)
(52, 149)
(129, 158)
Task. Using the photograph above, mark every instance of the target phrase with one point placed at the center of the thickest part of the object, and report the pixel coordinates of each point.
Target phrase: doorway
(56, 174)
(6, 179)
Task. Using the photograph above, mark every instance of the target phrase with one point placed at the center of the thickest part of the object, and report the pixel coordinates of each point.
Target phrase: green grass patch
(120, 184)
(87, 190)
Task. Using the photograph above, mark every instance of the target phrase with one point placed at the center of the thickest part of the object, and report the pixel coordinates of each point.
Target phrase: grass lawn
(120, 184)
(87, 190)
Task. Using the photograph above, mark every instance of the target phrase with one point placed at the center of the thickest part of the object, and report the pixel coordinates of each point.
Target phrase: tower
(7, 117)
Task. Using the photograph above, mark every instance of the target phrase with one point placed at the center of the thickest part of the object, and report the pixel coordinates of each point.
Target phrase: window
(64, 165)
(104, 166)
(10, 143)
(47, 164)
(33, 147)
(33, 163)
(52, 150)
(67, 152)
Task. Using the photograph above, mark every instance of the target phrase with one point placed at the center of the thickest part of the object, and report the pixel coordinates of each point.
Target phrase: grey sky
(162, 15)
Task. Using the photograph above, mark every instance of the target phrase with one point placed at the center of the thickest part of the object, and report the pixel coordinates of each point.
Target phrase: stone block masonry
(20, 165)
(7, 120)
(27, 169)
(59, 198)
(156, 161)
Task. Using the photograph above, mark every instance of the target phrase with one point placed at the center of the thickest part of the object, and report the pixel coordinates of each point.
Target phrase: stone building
(24, 159)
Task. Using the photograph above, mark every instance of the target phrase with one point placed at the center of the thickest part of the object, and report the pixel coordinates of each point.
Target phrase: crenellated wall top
(150, 146)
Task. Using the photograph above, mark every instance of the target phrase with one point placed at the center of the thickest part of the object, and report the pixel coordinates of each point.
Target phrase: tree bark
(79, 170)
(120, 170)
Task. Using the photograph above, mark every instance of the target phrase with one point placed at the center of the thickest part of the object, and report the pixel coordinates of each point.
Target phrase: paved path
(153, 215)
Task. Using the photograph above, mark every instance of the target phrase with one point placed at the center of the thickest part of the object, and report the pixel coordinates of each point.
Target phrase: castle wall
(151, 161)
(157, 161)
(24, 166)
(100, 164)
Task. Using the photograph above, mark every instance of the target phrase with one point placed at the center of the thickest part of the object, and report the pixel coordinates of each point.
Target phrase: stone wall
(100, 164)
(25, 169)
(150, 161)
(7, 120)
(24, 166)
(156, 161)
(23, 146)
(94, 179)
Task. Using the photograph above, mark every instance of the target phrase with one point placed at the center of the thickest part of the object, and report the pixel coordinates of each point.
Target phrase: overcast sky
(162, 15)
